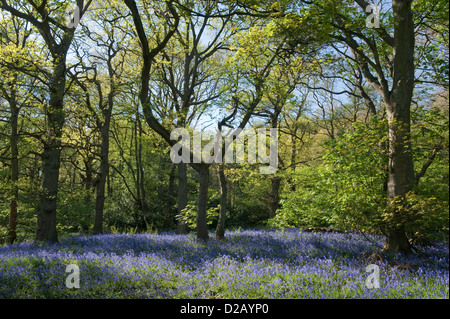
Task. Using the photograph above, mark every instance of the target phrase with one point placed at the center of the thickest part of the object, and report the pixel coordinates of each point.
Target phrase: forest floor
(247, 264)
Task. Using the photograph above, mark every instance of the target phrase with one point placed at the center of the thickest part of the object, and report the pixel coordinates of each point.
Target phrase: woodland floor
(247, 264)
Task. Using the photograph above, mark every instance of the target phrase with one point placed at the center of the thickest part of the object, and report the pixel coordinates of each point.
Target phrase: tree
(110, 55)
(279, 96)
(10, 91)
(384, 54)
(387, 63)
(57, 38)
(188, 75)
(172, 19)
(149, 56)
(257, 53)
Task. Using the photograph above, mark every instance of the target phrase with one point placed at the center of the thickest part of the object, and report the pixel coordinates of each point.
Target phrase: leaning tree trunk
(401, 169)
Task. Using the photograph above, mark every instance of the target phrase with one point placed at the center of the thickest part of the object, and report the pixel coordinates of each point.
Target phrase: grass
(247, 264)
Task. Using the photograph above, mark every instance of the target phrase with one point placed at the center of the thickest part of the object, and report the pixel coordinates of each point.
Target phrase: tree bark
(51, 157)
(202, 227)
(140, 174)
(220, 229)
(182, 197)
(168, 216)
(398, 107)
(274, 195)
(397, 97)
(397, 241)
(103, 174)
(14, 169)
(276, 180)
(46, 219)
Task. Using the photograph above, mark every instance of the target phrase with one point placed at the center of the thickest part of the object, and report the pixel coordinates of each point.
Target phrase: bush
(425, 219)
(188, 215)
(348, 190)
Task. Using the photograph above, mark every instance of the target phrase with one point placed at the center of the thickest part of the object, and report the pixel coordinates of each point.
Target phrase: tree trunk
(400, 173)
(140, 176)
(88, 179)
(401, 169)
(182, 198)
(58, 40)
(168, 215)
(46, 219)
(276, 180)
(397, 241)
(51, 157)
(293, 165)
(89, 182)
(14, 171)
(202, 227)
(274, 196)
(101, 184)
(220, 229)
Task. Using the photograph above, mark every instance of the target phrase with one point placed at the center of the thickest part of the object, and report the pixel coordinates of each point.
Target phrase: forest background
(86, 111)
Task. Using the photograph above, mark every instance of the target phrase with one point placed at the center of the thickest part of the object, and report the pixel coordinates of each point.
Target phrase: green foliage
(433, 17)
(348, 190)
(425, 218)
(256, 58)
(248, 192)
(188, 215)
(76, 208)
(308, 205)
(354, 171)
